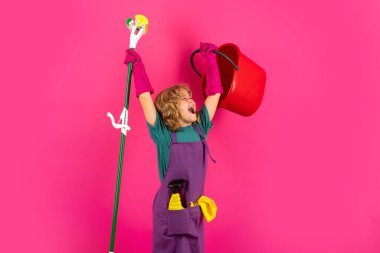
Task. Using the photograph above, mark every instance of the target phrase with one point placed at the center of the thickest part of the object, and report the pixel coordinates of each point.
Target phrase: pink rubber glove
(213, 84)
(142, 83)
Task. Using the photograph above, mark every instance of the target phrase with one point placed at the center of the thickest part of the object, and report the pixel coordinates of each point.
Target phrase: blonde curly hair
(167, 102)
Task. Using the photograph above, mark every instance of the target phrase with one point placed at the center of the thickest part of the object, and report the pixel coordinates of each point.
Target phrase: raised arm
(142, 85)
(148, 107)
(141, 80)
(211, 104)
(213, 85)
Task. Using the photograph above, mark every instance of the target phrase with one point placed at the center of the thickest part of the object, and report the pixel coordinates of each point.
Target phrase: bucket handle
(214, 51)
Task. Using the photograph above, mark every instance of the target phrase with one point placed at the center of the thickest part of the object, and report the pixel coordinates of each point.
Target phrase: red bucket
(243, 80)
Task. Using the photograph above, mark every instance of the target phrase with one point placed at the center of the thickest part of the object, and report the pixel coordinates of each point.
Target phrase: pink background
(300, 175)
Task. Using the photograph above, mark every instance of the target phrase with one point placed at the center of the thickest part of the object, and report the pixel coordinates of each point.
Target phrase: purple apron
(181, 231)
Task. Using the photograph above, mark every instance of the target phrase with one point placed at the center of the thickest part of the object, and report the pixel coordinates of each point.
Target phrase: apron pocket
(184, 222)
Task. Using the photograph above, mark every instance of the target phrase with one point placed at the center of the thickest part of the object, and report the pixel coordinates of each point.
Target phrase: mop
(139, 26)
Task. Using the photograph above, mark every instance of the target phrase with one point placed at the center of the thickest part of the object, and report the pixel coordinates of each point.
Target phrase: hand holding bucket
(243, 81)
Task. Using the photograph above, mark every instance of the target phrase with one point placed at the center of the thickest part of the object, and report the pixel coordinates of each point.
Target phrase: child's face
(187, 109)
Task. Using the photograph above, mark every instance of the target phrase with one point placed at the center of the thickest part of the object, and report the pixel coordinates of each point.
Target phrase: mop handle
(120, 166)
(139, 19)
(214, 51)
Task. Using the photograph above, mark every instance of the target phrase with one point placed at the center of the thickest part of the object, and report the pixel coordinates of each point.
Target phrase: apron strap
(174, 137)
(196, 127)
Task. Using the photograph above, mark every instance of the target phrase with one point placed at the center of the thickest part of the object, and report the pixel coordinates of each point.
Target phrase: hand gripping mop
(138, 27)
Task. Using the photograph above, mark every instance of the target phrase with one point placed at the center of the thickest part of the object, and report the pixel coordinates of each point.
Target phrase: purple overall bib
(181, 231)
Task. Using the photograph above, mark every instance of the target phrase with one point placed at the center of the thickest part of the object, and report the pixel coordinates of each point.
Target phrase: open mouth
(192, 109)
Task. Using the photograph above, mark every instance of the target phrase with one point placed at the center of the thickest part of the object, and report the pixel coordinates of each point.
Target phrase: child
(179, 132)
